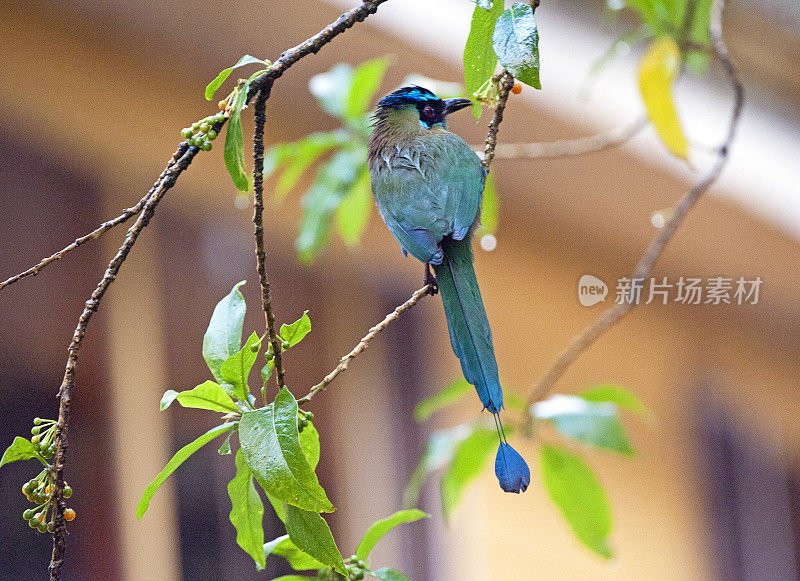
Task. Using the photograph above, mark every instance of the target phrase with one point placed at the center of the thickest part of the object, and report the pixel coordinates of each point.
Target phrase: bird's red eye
(428, 111)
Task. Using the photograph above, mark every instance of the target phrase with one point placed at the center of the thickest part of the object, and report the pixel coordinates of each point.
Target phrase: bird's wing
(429, 194)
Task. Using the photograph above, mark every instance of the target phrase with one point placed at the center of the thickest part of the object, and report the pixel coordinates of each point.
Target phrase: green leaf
(278, 505)
(266, 371)
(299, 156)
(247, 512)
(225, 448)
(365, 82)
(438, 452)
(516, 43)
(332, 88)
(235, 370)
(234, 143)
(321, 200)
(616, 394)
(309, 442)
(485, 4)
(593, 423)
(295, 332)
(352, 214)
(579, 496)
(311, 534)
(490, 207)
(386, 574)
(657, 70)
(469, 460)
(480, 60)
(223, 337)
(381, 527)
(178, 459)
(271, 445)
(292, 578)
(284, 547)
(212, 87)
(20, 449)
(206, 396)
(448, 396)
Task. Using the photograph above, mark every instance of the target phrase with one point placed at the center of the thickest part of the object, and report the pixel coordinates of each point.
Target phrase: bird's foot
(430, 280)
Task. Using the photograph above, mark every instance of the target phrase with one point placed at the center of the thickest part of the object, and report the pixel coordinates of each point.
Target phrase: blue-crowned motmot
(428, 184)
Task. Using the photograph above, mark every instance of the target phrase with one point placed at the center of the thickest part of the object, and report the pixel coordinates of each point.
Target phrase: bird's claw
(430, 280)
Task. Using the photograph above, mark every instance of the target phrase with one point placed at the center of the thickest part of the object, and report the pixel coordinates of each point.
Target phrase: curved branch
(590, 334)
(505, 83)
(364, 343)
(179, 162)
(569, 147)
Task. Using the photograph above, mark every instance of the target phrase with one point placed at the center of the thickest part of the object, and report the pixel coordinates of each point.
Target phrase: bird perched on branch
(428, 184)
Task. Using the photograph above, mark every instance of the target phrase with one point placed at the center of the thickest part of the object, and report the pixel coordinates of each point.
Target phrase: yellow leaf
(658, 68)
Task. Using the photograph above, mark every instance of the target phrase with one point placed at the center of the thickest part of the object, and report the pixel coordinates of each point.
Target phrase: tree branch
(179, 162)
(259, 112)
(311, 46)
(590, 334)
(345, 361)
(506, 83)
(569, 147)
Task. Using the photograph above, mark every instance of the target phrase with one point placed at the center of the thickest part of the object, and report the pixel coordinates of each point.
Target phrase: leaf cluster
(278, 453)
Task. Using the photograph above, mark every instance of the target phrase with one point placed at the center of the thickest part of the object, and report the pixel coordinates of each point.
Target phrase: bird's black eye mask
(431, 113)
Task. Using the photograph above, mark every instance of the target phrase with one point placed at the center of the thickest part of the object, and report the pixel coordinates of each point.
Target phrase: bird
(428, 184)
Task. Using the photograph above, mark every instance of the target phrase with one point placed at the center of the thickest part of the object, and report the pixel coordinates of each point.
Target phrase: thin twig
(345, 361)
(590, 334)
(259, 113)
(569, 147)
(179, 162)
(96, 233)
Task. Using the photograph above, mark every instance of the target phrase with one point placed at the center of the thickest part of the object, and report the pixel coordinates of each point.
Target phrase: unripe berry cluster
(40, 490)
(202, 132)
(356, 569)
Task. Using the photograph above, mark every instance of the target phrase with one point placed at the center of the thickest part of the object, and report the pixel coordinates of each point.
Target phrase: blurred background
(92, 100)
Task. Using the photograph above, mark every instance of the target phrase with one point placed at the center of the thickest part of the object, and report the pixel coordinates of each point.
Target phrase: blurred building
(92, 99)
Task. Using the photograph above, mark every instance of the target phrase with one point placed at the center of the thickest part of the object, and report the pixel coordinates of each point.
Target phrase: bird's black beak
(451, 105)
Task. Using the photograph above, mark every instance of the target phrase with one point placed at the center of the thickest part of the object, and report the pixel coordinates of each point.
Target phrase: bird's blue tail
(471, 339)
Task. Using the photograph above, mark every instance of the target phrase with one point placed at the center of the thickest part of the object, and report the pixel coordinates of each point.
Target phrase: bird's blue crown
(411, 95)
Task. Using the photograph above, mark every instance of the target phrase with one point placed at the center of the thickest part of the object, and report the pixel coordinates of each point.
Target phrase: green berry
(32, 523)
(211, 134)
(37, 421)
(186, 132)
(219, 117)
(51, 528)
(358, 576)
(285, 345)
(195, 126)
(35, 430)
(269, 356)
(28, 514)
(204, 127)
(353, 558)
(67, 491)
(35, 440)
(42, 528)
(309, 416)
(205, 146)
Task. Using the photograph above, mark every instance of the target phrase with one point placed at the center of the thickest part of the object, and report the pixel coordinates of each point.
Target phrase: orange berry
(69, 514)
(47, 490)
(222, 104)
(516, 89)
